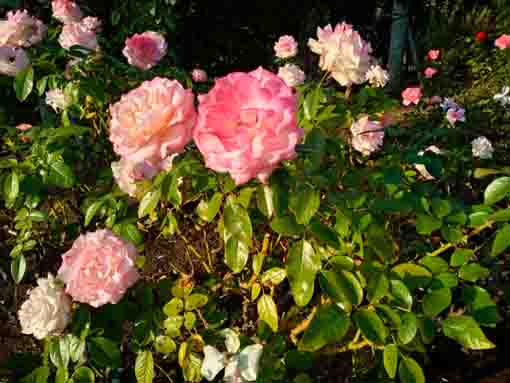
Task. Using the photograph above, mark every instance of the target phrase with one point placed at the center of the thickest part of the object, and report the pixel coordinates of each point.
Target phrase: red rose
(481, 36)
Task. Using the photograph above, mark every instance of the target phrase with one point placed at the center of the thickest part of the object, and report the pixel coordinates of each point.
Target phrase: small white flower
(240, 367)
(503, 97)
(57, 99)
(377, 76)
(482, 148)
(420, 168)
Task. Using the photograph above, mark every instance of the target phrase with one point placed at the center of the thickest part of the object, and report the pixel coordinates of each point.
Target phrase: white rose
(377, 76)
(482, 148)
(47, 311)
(291, 74)
(57, 99)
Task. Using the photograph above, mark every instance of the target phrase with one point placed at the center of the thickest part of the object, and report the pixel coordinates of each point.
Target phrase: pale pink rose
(57, 99)
(377, 76)
(144, 50)
(433, 54)
(434, 100)
(247, 125)
(411, 95)
(82, 33)
(24, 127)
(153, 121)
(21, 30)
(47, 311)
(430, 72)
(127, 173)
(199, 75)
(292, 75)
(66, 11)
(455, 114)
(286, 47)
(367, 135)
(503, 41)
(12, 60)
(343, 53)
(99, 268)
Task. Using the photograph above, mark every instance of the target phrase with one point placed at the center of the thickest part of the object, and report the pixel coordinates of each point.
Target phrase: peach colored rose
(343, 53)
(24, 127)
(433, 54)
(502, 42)
(47, 311)
(82, 33)
(292, 75)
(411, 95)
(144, 50)
(153, 121)
(367, 135)
(99, 268)
(12, 60)
(66, 11)
(430, 72)
(286, 47)
(247, 125)
(127, 173)
(21, 30)
(199, 75)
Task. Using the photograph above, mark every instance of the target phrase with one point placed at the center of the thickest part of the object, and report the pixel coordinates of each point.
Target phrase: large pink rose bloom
(367, 135)
(286, 47)
(411, 95)
(21, 30)
(502, 42)
(12, 60)
(145, 50)
(66, 11)
(343, 53)
(82, 33)
(247, 125)
(152, 121)
(99, 268)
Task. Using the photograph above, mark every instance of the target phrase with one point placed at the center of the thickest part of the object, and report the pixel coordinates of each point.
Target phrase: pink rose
(21, 30)
(430, 72)
(82, 33)
(286, 47)
(127, 173)
(292, 75)
(433, 54)
(434, 100)
(199, 75)
(99, 268)
(12, 60)
(145, 50)
(66, 11)
(152, 121)
(24, 127)
(411, 95)
(247, 125)
(367, 135)
(343, 53)
(455, 114)
(502, 42)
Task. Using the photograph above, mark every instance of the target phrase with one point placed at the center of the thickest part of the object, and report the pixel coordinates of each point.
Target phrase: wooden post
(399, 39)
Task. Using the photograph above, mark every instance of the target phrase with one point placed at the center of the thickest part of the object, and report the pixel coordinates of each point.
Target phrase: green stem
(164, 372)
(476, 231)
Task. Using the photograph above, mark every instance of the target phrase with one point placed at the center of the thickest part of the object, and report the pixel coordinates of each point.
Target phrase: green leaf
(83, 375)
(265, 200)
(92, 211)
(464, 330)
(244, 197)
(436, 301)
(149, 203)
(287, 226)
(237, 222)
(144, 367)
(436, 265)
(39, 375)
(23, 83)
(268, 312)
(378, 287)
(441, 208)
(371, 326)
(410, 371)
(473, 272)
(129, 232)
(341, 262)
(18, 268)
(62, 375)
(343, 287)
(401, 294)
(273, 276)
(172, 192)
(208, 210)
(59, 352)
(461, 256)
(304, 203)
(497, 190)
(329, 325)
(191, 368)
(480, 305)
(76, 347)
(502, 241)
(104, 352)
(426, 224)
(408, 328)
(427, 327)
(11, 188)
(189, 320)
(195, 301)
(391, 314)
(501, 216)
(390, 358)
(174, 307)
(164, 344)
(444, 280)
(236, 254)
(413, 275)
(302, 266)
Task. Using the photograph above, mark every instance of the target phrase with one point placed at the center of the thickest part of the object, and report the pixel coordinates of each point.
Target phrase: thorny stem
(448, 246)
(164, 372)
(302, 326)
